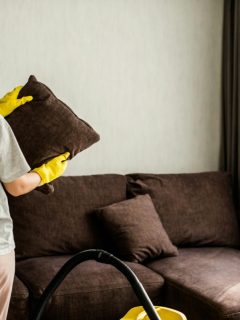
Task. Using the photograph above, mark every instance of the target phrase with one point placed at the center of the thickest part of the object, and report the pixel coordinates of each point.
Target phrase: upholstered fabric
(61, 223)
(195, 209)
(91, 291)
(203, 283)
(135, 229)
(19, 304)
(46, 127)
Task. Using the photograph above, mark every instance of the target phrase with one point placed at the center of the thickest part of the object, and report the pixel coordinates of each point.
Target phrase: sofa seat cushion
(92, 289)
(19, 305)
(203, 283)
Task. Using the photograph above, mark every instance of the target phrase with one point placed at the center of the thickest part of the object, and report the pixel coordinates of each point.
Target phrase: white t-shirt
(12, 166)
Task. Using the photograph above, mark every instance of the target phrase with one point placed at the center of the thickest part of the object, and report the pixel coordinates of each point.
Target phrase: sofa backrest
(195, 208)
(61, 223)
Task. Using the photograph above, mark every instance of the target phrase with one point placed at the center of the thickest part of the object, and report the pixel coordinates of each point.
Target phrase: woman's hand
(53, 168)
(10, 101)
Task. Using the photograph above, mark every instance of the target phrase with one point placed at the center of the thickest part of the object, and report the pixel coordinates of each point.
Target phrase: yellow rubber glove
(53, 168)
(10, 101)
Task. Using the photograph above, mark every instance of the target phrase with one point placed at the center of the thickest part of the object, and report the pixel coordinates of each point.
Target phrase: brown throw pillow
(195, 208)
(136, 230)
(46, 127)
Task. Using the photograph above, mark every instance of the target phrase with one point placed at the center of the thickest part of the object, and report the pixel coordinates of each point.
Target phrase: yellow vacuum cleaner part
(164, 313)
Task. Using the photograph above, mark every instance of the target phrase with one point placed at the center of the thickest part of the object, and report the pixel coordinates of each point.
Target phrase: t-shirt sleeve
(12, 161)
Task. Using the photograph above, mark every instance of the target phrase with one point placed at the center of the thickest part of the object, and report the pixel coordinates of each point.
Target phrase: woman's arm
(46, 173)
(23, 184)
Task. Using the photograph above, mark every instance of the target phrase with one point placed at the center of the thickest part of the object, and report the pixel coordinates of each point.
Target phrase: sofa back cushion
(195, 208)
(61, 223)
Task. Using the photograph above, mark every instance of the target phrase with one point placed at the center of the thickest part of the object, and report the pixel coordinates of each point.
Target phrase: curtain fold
(230, 152)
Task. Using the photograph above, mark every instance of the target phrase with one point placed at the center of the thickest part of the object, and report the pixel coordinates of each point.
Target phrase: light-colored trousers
(7, 271)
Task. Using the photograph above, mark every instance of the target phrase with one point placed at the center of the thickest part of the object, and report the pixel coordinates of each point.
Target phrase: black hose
(103, 257)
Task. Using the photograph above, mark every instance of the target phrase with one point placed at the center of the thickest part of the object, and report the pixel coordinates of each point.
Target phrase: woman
(16, 178)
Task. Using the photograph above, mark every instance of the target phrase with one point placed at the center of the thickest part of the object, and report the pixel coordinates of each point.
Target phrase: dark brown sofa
(197, 211)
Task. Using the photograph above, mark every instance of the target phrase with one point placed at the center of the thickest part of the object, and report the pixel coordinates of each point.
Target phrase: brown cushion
(136, 229)
(19, 303)
(46, 127)
(62, 222)
(203, 283)
(195, 208)
(91, 291)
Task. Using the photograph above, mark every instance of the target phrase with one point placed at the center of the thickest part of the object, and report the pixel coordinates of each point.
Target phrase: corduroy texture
(19, 303)
(203, 283)
(135, 229)
(46, 127)
(62, 223)
(195, 208)
(91, 291)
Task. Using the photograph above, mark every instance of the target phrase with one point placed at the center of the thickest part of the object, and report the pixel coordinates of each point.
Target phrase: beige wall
(144, 73)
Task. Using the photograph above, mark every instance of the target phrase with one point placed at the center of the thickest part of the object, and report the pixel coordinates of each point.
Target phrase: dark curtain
(230, 153)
